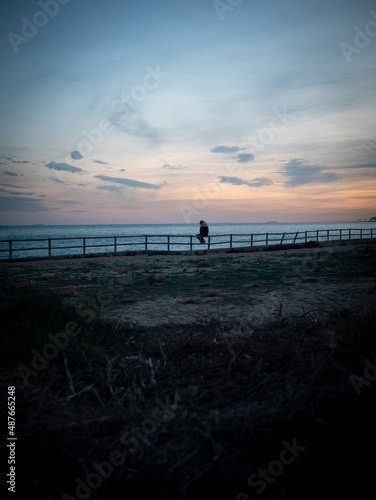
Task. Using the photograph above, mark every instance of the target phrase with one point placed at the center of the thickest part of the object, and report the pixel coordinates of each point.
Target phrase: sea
(58, 240)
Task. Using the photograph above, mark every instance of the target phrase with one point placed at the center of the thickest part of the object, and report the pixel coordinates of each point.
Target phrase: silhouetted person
(204, 231)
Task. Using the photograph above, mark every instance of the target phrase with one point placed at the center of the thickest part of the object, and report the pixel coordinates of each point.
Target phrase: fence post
(349, 234)
(49, 247)
(283, 237)
(208, 242)
(146, 242)
(328, 235)
(297, 232)
(168, 243)
(267, 239)
(251, 240)
(317, 235)
(191, 243)
(115, 243)
(84, 245)
(306, 237)
(10, 249)
(230, 240)
(361, 233)
(340, 235)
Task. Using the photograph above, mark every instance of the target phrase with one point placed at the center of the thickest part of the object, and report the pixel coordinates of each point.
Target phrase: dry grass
(157, 278)
(123, 270)
(68, 292)
(205, 283)
(204, 263)
(239, 391)
(238, 394)
(126, 282)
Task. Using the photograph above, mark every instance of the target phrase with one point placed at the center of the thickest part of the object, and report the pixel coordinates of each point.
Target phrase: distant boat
(372, 219)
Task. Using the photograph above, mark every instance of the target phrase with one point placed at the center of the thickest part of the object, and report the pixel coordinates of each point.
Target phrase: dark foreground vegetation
(110, 411)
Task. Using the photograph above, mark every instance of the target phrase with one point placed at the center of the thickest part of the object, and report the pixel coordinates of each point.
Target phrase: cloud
(10, 173)
(129, 182)
(133, 123)
(76, 155)
(362, 165)
(241, 158)
(69, 202)
(369, 149)
(59, 181)
(257, 182)
(9, 158)
(16, 187)
(245, 157)
(110, 188)
(260, 181)
(172, 167)
(63, 167)
(327, 177)
(101, 162)
(16, 193)
(78, 211)
(225, 149)
(299, 173)
(16, 204)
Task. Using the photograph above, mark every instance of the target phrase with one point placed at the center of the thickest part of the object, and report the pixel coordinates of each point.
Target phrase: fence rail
(52, 247)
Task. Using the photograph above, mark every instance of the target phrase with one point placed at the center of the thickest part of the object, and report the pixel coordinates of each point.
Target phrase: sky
(172, 111)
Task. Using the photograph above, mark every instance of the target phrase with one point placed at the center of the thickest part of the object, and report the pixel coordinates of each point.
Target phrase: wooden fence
(52, 247)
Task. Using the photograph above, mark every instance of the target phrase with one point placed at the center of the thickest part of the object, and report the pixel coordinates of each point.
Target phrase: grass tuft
(204, 263)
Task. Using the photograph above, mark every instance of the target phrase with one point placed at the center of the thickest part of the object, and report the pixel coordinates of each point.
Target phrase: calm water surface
(157, 235)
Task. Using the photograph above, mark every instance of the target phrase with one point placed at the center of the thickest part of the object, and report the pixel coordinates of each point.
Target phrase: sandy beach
(235, 288)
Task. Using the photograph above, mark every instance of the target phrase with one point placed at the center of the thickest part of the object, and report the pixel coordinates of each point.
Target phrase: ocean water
(132, 237)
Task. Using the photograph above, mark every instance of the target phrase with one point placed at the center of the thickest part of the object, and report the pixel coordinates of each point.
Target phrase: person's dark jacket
(204, 229)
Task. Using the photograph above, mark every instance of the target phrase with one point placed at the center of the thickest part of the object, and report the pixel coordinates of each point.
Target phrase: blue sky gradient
(175, 111)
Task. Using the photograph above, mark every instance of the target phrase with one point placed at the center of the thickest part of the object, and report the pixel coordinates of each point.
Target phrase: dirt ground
(234, 288)
(248, 351)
